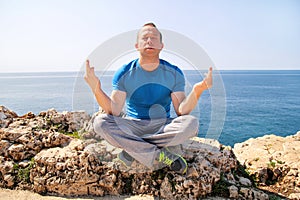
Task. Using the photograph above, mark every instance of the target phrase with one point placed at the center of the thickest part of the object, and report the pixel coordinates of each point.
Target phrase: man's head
(151, 24)
(149, 40)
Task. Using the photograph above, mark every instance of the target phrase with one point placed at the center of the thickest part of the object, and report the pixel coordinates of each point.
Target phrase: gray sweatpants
(143, 138)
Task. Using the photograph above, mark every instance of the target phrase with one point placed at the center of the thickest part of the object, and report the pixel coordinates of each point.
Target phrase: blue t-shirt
(148, 94)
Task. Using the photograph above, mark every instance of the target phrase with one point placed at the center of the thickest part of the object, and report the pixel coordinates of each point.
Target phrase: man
(148, 85)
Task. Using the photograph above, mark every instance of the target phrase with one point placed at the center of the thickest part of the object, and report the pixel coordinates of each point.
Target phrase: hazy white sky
(58, 35)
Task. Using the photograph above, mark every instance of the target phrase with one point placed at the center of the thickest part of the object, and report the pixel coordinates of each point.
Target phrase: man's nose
(149, 41)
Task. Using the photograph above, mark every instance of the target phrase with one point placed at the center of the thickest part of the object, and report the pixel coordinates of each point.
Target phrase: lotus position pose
(148, 86)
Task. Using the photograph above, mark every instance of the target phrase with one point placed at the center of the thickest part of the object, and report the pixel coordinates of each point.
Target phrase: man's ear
(161, 46)
(136, 46)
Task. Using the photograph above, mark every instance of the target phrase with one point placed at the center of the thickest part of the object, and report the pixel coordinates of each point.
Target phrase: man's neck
(149, 64)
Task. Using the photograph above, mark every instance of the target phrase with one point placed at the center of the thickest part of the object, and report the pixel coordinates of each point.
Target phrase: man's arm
(111, 105)
(184, 105)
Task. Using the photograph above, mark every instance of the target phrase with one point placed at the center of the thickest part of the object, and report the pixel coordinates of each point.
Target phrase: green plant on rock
(274, 197)
(242, 171)
(23, 174)
(271, 164)
(158, 174)
(280, 162)
(74, 134)
(220, 188)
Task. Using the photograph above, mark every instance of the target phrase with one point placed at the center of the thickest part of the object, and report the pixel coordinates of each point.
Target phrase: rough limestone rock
(41, 153)
(6, 116)
(274, 161)
(87, 167)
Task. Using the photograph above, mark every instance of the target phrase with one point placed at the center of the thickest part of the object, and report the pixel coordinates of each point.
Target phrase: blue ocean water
(257, 102)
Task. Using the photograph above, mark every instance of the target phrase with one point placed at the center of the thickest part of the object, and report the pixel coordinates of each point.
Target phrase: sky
(58, 35)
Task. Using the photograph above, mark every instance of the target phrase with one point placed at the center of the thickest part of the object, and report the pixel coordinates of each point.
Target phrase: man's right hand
(90, 77)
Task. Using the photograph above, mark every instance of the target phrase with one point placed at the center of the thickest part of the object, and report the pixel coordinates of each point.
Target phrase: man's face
(148, 41)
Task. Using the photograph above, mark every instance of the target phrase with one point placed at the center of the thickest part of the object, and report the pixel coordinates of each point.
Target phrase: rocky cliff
(58, 153)
(274, 162)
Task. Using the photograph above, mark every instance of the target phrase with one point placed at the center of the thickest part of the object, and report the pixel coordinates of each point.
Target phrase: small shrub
(271, 164)
(74, 135)
(24, 174)
(220, 188)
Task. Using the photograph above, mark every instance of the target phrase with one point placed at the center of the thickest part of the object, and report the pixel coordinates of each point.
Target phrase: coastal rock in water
(273, 160)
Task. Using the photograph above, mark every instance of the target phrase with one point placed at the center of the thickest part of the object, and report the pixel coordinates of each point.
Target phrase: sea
(246, 104)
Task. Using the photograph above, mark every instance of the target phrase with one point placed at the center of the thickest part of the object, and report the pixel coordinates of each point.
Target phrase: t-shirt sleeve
(179, 81)
(118, 80)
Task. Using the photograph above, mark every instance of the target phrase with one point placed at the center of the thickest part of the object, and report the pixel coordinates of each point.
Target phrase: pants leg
(124, 133)
(175, 131)
(142, 139)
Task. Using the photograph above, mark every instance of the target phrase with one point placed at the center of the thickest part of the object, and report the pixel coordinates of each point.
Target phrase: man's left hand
(205, 84)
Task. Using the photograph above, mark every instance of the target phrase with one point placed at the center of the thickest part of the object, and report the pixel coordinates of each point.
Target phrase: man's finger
(92, 69)
(87, 65)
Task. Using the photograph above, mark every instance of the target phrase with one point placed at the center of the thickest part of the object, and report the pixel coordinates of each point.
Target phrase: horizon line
(77, 71)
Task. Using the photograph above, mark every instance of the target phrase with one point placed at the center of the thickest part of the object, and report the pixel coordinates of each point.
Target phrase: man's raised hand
(90, 77)
(205, 84)
(208, 79)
